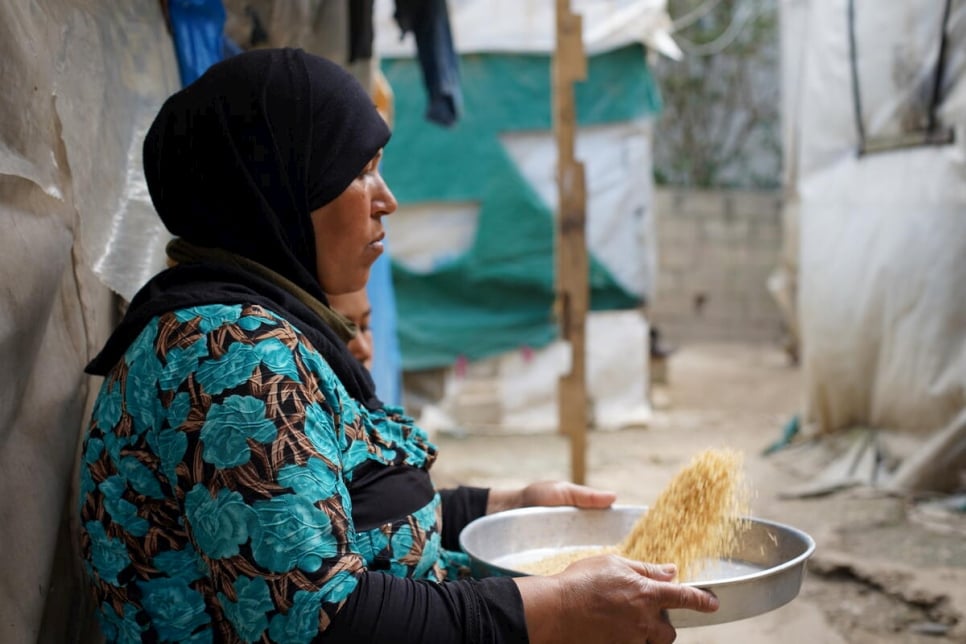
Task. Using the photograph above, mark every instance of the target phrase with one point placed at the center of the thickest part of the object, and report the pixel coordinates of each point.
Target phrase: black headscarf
(237, 161)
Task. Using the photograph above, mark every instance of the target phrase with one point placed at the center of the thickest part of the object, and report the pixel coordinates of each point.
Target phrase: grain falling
(697, 518)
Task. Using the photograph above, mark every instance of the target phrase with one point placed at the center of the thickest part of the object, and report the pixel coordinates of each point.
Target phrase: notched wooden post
(570, 66)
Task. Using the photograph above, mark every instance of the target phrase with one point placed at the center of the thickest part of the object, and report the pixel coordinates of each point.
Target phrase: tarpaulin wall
(486, 286)
(81, 81)
(473, 239)
(877, 152)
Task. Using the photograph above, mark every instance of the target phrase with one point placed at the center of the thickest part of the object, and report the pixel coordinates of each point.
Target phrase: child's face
(355, 306)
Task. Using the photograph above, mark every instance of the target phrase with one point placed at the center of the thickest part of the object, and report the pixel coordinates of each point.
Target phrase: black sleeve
(390, 609)
(460, 506)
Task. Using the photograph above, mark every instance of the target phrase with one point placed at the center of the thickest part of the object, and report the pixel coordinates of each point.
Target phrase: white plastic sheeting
(518, 390)
(620, 226)
(620, 193)
(81, 79)
(620, 223)
(528, 26)
(122, 238)
(617, 377)
(881, 301)
(454, 227)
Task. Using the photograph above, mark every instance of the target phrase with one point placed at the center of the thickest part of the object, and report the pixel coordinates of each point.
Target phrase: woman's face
(355, 306)
(349, 231)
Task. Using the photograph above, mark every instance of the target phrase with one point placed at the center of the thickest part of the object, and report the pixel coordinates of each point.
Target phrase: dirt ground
(878, 575)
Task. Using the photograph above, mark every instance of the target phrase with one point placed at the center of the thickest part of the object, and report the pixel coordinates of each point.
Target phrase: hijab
(236, 162)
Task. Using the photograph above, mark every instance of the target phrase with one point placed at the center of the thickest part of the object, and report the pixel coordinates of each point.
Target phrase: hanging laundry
(428, 20)
(197, 29)
(360, 30)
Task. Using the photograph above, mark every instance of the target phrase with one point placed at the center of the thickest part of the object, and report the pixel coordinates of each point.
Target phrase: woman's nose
(385, 202)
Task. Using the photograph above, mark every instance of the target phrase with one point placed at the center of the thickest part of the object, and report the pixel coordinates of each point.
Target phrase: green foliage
(720, 126)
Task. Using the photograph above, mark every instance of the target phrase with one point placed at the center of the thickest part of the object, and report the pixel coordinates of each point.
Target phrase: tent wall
(489, 182)
(81, 81)
(516, 392)
(473, 238)
(529, 26)
(881, 302)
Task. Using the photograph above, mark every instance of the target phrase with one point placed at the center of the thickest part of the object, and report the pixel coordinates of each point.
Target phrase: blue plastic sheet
(386, 359)
(197, 28)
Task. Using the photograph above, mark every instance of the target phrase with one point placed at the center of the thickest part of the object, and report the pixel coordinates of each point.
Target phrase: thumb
(588, 497)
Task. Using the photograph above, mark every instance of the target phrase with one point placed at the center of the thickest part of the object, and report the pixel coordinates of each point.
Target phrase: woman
(241, 481)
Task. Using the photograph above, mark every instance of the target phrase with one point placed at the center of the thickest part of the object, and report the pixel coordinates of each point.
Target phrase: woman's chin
(345, 287)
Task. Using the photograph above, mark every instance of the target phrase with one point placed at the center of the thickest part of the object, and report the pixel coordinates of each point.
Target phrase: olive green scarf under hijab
(182, 252)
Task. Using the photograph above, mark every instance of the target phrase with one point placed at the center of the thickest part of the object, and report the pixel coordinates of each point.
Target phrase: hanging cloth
(428, 20)
(360, 30)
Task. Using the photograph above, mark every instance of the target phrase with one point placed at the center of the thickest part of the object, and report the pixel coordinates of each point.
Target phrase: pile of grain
(696, 519)
(556, 562)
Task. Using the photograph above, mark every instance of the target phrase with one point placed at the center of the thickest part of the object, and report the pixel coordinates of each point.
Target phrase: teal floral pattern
(210, 317)
(249, 613)
(124, 513)
(277, 357)
(107, 409)
(301, 623)
(185, 563)
(312, 481)
(123, 628)
(180, 359)
(290, 534)
(230, 426)
(221, 523)
(108, 556)
(214, 502)
(176, 609)
(229, 371)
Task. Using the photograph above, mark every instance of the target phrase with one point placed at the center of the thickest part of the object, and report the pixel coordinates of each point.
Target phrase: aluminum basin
(766, 571)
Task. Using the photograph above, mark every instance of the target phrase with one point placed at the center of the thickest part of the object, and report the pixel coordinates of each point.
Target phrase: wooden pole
(569, 66)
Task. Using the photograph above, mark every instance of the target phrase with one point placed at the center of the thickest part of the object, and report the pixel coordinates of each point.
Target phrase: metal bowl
(766, 571)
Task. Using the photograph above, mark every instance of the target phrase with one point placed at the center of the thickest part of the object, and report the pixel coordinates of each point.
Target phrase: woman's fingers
(670, 595)
(688, 597)
(620, 600)
(585, 497)
(551, 493)
(658, 572)
(590, 498)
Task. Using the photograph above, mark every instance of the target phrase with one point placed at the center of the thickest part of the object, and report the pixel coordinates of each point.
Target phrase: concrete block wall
(716, 250)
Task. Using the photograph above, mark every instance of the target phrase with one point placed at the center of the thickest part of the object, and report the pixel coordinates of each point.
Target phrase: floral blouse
(218, 478)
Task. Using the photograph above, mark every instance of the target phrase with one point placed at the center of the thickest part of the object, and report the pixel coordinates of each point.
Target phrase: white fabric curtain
(81, 81)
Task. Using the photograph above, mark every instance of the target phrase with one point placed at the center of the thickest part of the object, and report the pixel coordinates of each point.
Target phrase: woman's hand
(549, 493)
(607, 599)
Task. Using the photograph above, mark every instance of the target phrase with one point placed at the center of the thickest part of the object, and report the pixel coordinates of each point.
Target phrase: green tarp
(499, 295)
